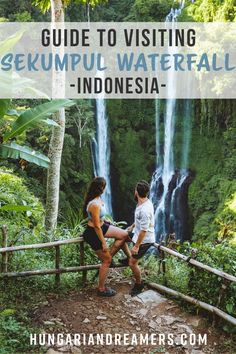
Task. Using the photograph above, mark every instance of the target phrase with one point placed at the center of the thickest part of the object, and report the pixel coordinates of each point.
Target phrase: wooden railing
(57, 270)
(227, 278)
(191, 261)
(4, 274)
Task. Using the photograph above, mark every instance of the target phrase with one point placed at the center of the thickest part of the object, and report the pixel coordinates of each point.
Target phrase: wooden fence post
(5, 254)
(163, 263)
(84, 273)
(57, 266)
(192, 269)
(164, 266)
(220, 299)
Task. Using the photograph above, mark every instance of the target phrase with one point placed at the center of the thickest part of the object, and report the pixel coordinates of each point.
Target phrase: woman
(97, 230)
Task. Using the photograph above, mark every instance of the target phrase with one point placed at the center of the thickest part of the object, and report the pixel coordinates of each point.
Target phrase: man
(142, 235)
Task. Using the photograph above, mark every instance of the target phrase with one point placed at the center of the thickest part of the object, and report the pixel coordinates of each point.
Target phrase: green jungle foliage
(132, 132)
(192, 281)
(132, 135)
(150, 10)
(209, 10)
(13, 192)
(212, 157)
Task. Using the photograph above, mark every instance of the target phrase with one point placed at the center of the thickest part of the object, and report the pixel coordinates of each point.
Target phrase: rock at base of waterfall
(151, 296)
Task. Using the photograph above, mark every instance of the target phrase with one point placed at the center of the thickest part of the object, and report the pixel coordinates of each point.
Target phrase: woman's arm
(95, 213)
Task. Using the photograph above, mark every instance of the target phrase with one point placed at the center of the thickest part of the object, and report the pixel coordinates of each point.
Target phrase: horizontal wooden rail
(196, 263)
(41, 245)
(54, 271)
(187, 259)
(193, 301)
(84, 268)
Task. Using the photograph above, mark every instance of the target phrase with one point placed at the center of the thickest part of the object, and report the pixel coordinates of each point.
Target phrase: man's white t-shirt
(144, 221)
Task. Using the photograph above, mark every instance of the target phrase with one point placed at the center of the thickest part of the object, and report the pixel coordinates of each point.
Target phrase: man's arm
(140, 239)
(144, 222)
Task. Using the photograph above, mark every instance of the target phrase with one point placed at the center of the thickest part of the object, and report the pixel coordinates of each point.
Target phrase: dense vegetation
(212, 195)
(209, 10)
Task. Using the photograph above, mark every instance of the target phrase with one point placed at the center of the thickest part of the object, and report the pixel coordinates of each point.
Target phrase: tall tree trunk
(56, 143)
(57, 11)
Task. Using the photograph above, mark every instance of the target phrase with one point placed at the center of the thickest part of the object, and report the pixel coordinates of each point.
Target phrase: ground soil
(149, 313)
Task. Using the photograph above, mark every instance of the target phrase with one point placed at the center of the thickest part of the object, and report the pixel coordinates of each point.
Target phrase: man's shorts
(91, 237)
(143, 248)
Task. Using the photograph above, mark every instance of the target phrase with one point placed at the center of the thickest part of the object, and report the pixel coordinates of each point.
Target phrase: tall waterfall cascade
(101, 143)
(170, 183)
(101, 148)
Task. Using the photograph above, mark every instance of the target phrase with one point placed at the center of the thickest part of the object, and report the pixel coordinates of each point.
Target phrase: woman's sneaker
(137, 289)
(107, 292)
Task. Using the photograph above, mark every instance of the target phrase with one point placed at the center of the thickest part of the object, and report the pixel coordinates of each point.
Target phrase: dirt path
(150, 313)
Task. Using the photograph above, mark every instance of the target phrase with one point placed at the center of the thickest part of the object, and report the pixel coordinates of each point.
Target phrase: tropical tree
(57, 139)
(14, 123)
(58, 132)
(21, 122)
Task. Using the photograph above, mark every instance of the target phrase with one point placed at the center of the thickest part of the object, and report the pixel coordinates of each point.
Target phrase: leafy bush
(195, 282)
(213, 189)
(14, 332)
(206, 286)
(209, 10)
(150, 10)
(14, 192)
(192, 281)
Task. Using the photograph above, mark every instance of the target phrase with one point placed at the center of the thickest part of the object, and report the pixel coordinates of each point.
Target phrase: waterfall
(101, 147)
(158, 142)
(101, 151)
(169, 186)
(187, 126)
(101, 143)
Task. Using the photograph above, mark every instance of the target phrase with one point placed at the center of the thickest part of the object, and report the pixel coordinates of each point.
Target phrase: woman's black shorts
(91, 237)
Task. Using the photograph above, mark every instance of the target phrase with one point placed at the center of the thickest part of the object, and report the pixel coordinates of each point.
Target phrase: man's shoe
(137, 289)
(124, 261)
(107, 292)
